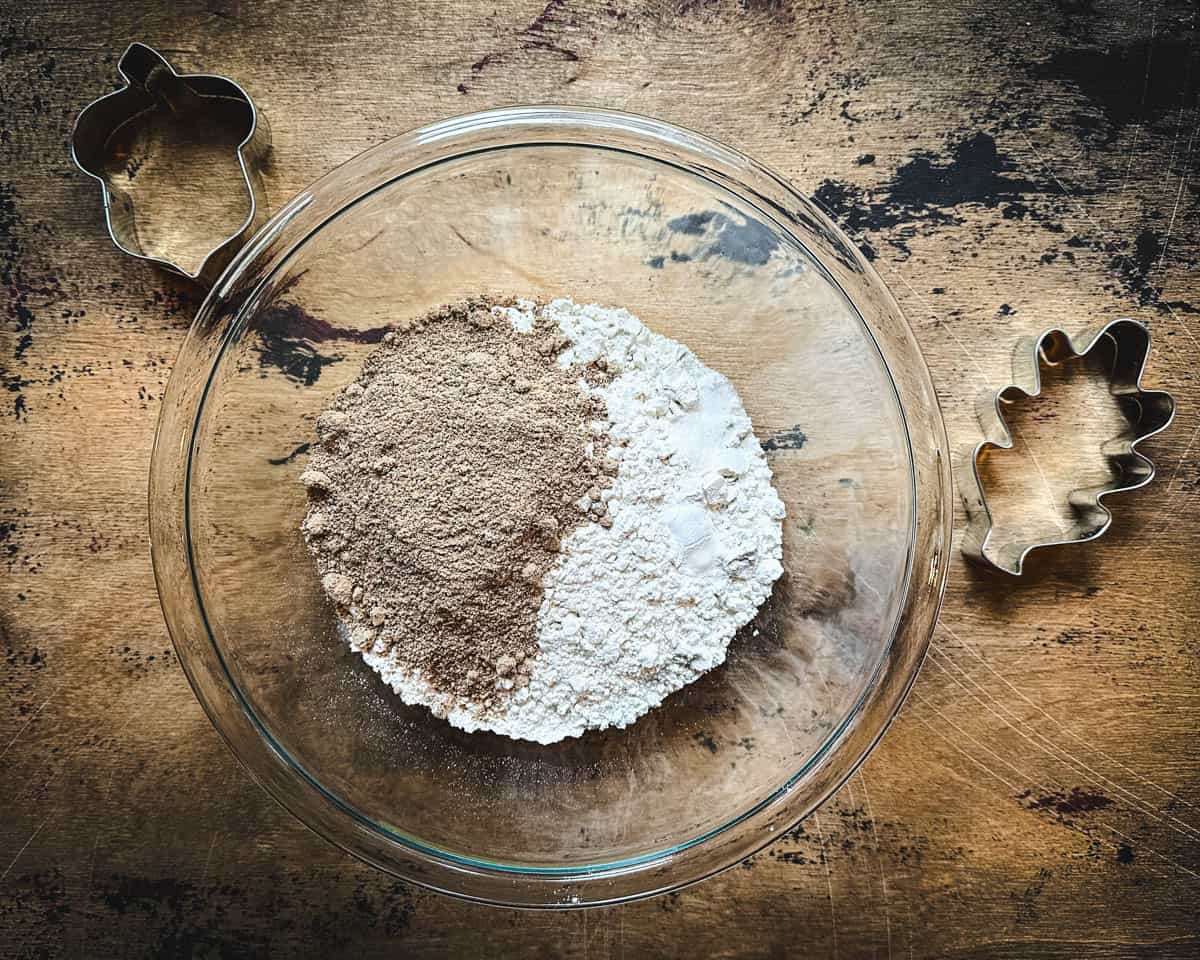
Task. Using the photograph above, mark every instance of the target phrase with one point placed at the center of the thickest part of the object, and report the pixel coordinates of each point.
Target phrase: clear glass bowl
(705, 246)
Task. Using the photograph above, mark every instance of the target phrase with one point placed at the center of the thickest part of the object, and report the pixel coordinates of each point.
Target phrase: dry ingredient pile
(539, 519)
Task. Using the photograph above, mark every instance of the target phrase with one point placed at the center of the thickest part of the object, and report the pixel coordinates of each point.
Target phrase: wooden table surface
(1010, 167)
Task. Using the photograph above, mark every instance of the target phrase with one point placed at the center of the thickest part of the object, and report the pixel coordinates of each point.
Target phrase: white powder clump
(637, 607)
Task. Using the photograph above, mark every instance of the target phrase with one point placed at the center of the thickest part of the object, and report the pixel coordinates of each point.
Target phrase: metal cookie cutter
(200, 104)
(1147, 411)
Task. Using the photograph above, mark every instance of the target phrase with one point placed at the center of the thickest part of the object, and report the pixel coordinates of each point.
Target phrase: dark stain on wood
(927, 189)
(792, 438)
(730, 236)
(706, 741)
(286, 337)
(1076, 800)
(289, 457)
(1126, 83)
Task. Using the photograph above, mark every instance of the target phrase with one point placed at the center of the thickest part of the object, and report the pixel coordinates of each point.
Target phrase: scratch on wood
(887, 916)
(833, 923)
(25, 846)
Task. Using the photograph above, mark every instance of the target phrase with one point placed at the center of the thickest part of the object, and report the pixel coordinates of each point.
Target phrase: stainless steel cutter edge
(250, 152)
(1155, 409)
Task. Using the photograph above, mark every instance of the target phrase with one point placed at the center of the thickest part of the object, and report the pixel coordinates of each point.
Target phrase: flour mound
(636, 608)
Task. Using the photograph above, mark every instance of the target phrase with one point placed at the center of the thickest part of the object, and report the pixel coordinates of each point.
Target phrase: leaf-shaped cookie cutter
(151, 82)
(1147, 412)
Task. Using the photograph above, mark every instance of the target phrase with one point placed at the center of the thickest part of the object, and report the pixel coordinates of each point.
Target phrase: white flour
(635, 611)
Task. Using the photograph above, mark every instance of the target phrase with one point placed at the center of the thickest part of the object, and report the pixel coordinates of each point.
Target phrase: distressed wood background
(1009, 168)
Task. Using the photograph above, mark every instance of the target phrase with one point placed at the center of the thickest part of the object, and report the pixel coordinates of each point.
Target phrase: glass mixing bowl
(706, 247)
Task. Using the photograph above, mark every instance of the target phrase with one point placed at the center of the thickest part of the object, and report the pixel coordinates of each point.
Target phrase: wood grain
(1009, 169)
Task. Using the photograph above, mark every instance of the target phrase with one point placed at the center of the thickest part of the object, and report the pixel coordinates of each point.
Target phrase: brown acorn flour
(445, 478)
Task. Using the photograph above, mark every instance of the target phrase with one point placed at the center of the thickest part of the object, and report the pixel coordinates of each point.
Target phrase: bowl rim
(244, 284)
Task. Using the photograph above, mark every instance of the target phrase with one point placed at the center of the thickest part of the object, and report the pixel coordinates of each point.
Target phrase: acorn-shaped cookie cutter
(1147, 413)
(152, 85)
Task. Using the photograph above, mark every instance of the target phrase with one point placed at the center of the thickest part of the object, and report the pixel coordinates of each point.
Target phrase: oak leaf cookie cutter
(1147, 413)
(151, 85)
